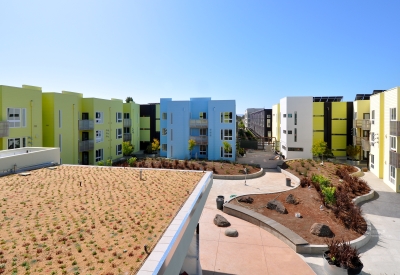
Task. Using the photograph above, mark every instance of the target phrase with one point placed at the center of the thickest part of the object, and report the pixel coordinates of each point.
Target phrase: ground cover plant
(217, 167)
(330, 186)
(86, 220)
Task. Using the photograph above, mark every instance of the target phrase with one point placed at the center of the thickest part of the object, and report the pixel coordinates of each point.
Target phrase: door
(85, 116)
(85, 136)
(85, 158)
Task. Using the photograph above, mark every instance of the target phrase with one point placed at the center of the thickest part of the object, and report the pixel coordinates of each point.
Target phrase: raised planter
(332, 269)
(239, 177)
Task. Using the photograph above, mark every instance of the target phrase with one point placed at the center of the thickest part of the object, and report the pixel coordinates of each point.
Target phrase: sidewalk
(254, 251)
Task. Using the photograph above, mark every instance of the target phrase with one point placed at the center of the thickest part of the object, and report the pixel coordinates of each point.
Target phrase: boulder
(246, 199)
(321, 230)
(277, 205)
(221, 221)
(231, 232)
(291, 199)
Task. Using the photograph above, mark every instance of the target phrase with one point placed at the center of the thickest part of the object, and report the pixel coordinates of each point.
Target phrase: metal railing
(4, 129)
(394, 159)
(365, 124)
(356, 140)
(198, 123)
(200, 140)
(127, 137)
(395, 128)
(85, 125)
(127, 122)
(86, 145)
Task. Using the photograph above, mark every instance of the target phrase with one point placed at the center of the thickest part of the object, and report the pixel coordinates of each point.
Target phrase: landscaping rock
(231, 232)
(291, 199)
(277, 205)
(221, 221)
(246, 199)
(321, 230)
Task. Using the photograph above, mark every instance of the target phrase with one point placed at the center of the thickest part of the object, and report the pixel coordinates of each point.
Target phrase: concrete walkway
(254, 251)
(381, 255)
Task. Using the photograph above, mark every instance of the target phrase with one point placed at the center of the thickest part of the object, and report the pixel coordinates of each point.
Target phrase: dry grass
(86, 220)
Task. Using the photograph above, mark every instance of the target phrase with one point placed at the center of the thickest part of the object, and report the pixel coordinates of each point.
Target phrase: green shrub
(132, 161)
(329, 194)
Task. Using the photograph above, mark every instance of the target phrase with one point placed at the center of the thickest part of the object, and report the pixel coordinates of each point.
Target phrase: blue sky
(255, 52)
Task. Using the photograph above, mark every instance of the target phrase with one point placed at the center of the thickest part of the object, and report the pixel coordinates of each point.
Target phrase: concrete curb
(239, 177)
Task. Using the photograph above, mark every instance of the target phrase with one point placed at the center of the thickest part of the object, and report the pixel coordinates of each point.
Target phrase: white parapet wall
(24, 158)
(169, 254)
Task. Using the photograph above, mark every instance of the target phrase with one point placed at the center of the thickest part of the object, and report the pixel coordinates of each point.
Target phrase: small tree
(192, 143)
(127, 148)
(155, 145)
(353, 151)
(241, 125)
(319, 148)
(132, 161)
(129, 99)
(227, 147)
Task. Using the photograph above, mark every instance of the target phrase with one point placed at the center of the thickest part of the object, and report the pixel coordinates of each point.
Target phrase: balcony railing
(365, 124)
(86, 145)
(127, 122)
(395, 128)
(356, 140)
(127, 137)
(365, 144)
(200, 140)
(86, 125)
(4, 129)
(394, 159)
(198, 123)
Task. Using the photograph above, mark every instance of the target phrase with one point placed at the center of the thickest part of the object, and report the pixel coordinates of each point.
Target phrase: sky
(255, 52)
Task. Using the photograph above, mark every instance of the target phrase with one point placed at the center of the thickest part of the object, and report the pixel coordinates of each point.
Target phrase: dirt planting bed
(86, 220)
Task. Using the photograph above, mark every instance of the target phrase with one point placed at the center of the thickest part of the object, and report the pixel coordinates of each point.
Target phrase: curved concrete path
(254, 251)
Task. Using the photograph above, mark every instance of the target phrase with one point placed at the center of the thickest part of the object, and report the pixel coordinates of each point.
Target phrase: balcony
(198, 123)
(4, 129)
(127, 122)
(365, 144)
(394, 159)
(395, 128)
(364, 124)
(356, 140)
(85, 125)
(86, 145)
(200, 140)
(127, 137)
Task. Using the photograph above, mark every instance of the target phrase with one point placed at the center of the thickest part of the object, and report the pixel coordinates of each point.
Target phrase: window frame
(127, 115)
(393, 143)
(372, 164)
(99, 136)
(203, 115)
(295, 118)
(118, 149)
(118, 133)
(225, 154)
(99, 117)
(392, 174)
(393, 114)
(118, 117)
(164, 147)
(226, 135)
(21, 117)
(203, 132)
(99, 154)
(373, 116)
(21, 140)
(59, 118)
(226, 117)
(203, 150)
(164, 116)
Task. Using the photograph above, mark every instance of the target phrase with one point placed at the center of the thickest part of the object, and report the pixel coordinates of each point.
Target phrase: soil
(86, 220)
(308, 206)
(220, 168)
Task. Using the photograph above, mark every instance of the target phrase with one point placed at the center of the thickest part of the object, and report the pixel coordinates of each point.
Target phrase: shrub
(305, 182)
(329, 194)
(342, 254)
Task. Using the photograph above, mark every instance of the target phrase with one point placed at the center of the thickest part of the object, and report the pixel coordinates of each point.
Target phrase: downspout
(109, 123)
(31, 123)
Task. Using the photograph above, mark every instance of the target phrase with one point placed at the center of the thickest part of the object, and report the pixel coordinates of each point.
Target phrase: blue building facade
(208, 122)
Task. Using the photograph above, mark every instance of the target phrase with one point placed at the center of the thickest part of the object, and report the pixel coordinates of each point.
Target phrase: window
(171, 134)
(59, 119)
(171, 118)
(126, 130)
(295, 134)
(269, 134)
(60, 141)
(99, 136)
(268, 123)
(392, 114)
(164, 116)
(226, 117)
(118, 149)
(372, 138)
(164, 147)
(289, 115)
(284, 131)
(203, 150)
(295, 118)
(392, 174)
(99, 117)
(99, 155)
(164, 131)
(289, 132)
(226, 134)
(203, 132)
(283, 147)
(118, 133)
(16, 117)
(373, 116)
(298, 149)
(355, 115)
(392, 142)
(203, 115)
(14, 143)
(127, 115)
(365, 133)
(284, 115)
(268, 116)
(119, 117)
(372, 161)
(225, 153)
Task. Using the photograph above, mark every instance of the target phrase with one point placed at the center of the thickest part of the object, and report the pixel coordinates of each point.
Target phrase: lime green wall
(145, 129)
(339, 126)
(134, 110)
(30, 98)
(339, 110)
(318, 121)
(318, 108)
(145, 122)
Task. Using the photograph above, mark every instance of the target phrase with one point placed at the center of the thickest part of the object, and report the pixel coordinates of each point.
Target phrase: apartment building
(208, 122)
(247, 113)
(20, 117)
(131, 124)
(261, 122)
(149, 124)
